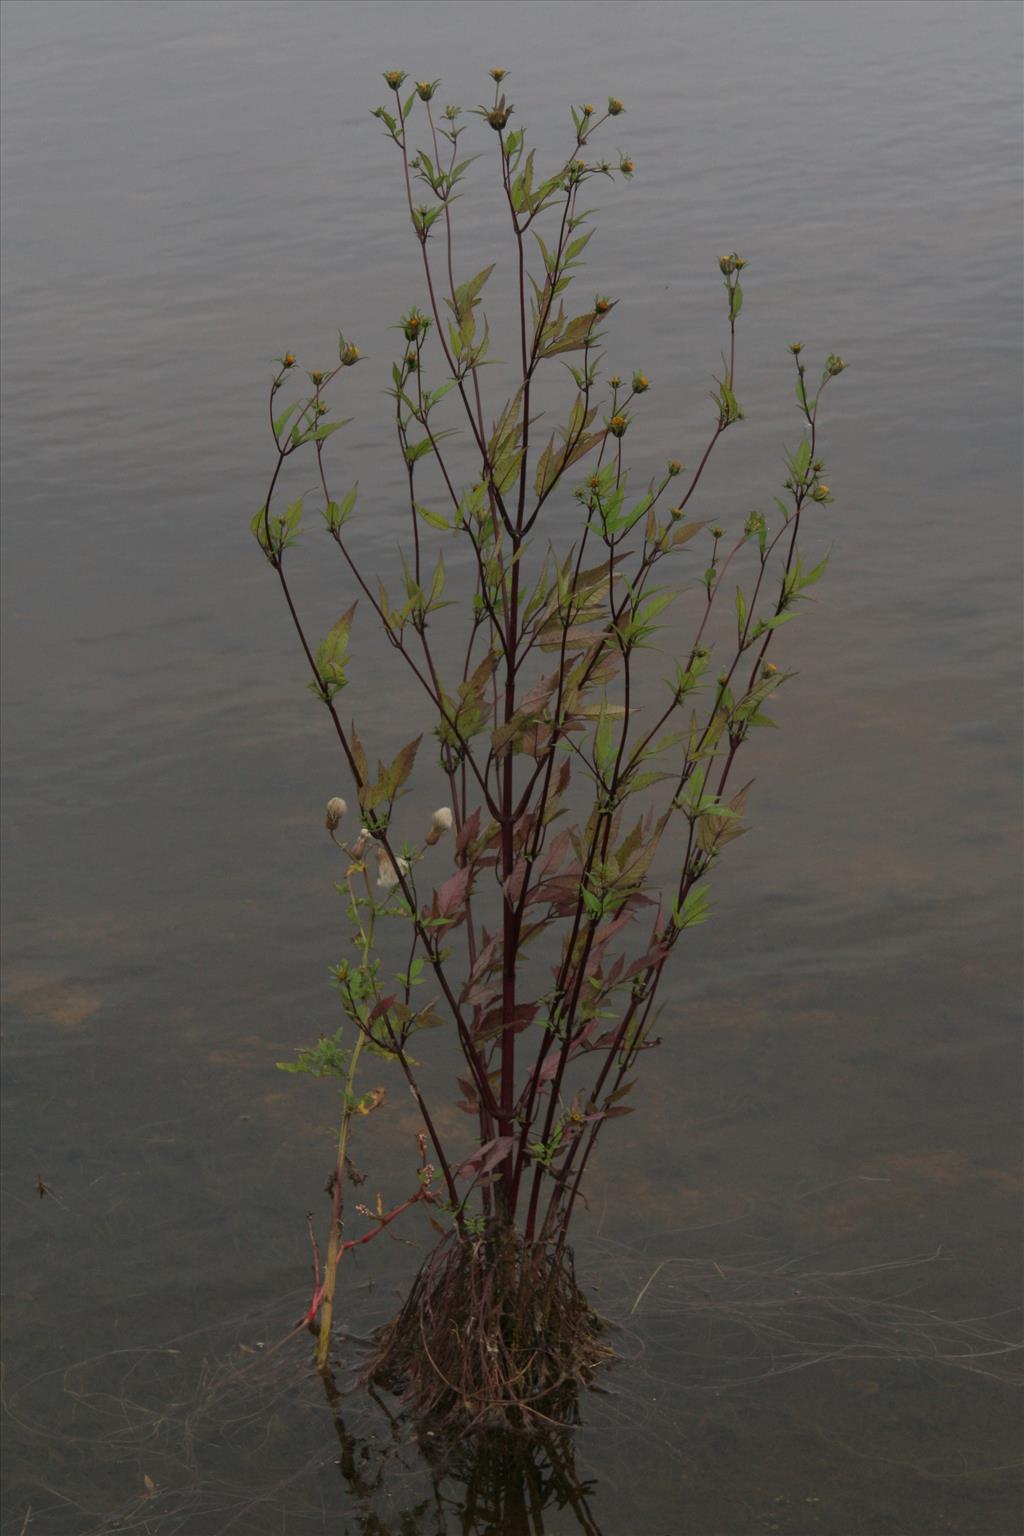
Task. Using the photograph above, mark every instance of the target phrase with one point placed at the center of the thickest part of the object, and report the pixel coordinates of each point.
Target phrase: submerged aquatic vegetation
(541, 904)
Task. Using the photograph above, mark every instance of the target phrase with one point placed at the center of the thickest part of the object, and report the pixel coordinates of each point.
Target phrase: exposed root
(495, 1334)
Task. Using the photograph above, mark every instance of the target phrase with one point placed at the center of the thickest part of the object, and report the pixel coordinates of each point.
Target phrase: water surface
(191, 189)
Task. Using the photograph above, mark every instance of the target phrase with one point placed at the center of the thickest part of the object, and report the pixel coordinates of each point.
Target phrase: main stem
(337, 1211)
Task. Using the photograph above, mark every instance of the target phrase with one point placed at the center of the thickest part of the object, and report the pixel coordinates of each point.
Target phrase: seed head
(387, 872)
(440, 823)
(336, 809)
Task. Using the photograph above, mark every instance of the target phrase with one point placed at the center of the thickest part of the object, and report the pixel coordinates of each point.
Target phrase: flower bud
(614, 106)
(387, 872)
(393, 78)
(588, 110)
(626, 166)
(617, 426)
(602, 304)
(834, 365)
(769, 669)
(718, 532)
(316, 377)
(349, 354)
(498, 119)
(426, 88)
(641, 383)
(336, 809)
(497, 75)
(726, 265)
(440, 823)
(288, 361)
(615, 381)
(796, 347)
(674, 467)
(675, 513)
(414, 325)
(361, 843)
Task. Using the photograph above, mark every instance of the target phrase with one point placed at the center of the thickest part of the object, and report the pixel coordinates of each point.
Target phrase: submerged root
(495, 1334)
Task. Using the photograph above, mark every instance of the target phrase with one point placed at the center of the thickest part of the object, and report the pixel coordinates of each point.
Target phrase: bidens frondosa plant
(534, 913)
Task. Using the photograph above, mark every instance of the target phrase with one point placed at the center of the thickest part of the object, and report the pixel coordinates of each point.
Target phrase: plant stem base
(495, 1334)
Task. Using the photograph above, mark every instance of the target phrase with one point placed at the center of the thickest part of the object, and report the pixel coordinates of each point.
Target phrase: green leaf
(735, 301)
(576, 247)
(336, 514)
(466, 294)
(258, 527)
(812, 576)
(776, 621)
(331, 655)
(433, 518)
(695, 908)
(281, 421)
(319, 433)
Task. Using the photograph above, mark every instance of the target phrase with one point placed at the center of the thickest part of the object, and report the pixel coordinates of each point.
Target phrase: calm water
(825, 1197)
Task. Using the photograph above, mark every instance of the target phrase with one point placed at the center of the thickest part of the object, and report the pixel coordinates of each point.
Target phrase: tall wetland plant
(579, 816)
